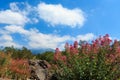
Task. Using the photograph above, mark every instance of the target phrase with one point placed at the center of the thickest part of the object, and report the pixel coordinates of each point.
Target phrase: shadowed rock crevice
(39, 70)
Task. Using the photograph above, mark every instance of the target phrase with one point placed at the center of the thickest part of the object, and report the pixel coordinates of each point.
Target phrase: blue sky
(51, 23)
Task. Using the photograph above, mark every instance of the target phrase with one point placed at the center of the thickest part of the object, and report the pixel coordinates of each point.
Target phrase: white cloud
(34, 20)
(86, 37)
(16, 19)
(15, 29)
(11, 17)
(23, 8)
(10, 43)
(14, 7)
(36, 39)
(53, 14)
(7, 40)
(58, 15)
(17, 15)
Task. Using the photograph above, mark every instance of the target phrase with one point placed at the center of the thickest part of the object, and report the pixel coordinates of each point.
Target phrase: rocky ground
(39, 70)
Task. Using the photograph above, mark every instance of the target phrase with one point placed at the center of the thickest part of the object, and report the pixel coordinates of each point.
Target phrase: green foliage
(23, 53)
(19, 69)
(14, 64)
(97, 61)
(4, 64)
(48, 56)
(12, 68)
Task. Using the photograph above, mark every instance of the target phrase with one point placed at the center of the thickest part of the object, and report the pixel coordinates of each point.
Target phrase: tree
(18, 53)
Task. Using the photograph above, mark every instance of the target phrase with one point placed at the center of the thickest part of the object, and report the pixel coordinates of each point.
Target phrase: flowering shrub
(19, 68)
(98, 60)
(4, 64)
(13, 68)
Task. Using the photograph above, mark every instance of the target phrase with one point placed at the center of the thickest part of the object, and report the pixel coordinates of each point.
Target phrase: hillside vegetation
(96, 60)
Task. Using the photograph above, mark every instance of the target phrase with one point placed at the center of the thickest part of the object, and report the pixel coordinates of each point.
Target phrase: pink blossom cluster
(103, 42)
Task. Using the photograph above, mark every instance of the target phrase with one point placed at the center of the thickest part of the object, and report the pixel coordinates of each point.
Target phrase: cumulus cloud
(18, 14)
(15, 29)
(7, 40)
(11, 17)
(15, 20)
(58, 15)
(40, 40)
(86, 37)
(36, 39)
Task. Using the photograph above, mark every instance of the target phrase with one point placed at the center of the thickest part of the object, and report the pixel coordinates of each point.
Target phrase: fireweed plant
(98, 60)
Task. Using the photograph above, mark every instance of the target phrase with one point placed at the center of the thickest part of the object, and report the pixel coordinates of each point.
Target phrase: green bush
(99, 60)
(48, 56)
(17, 69)
(4, 64)
(22, 53)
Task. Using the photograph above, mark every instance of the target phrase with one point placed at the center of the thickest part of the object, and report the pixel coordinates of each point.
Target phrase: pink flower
(63, 58)
(76, 44)
(73, 50)
(67, 47)
(107, 35)
(57, 54)
(57, 51)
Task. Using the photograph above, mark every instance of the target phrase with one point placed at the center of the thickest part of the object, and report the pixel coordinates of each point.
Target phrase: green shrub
(99, 60)
(4, 64)
(48, 56)
(13, 68)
